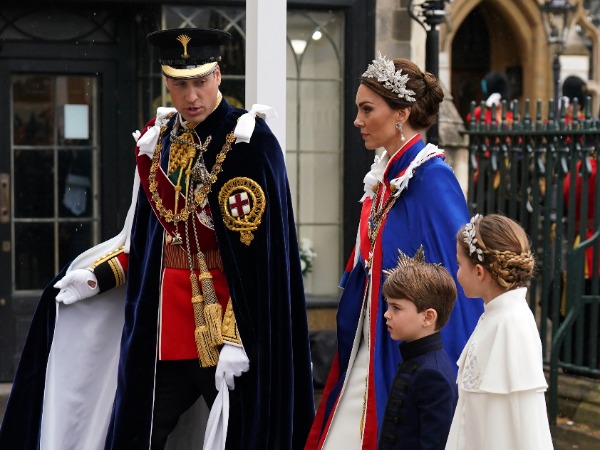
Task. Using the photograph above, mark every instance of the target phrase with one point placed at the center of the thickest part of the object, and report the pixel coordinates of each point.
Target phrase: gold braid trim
(106, 257)
(117, 271)
(230, 331)
(108, 270)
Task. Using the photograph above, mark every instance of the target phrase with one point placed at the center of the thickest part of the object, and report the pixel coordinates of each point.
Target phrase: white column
(266, 23)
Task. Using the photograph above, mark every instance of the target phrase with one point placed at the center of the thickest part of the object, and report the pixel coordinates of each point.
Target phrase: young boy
(423, 395)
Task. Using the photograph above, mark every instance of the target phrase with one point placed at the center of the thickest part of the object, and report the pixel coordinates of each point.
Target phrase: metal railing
(521, 165)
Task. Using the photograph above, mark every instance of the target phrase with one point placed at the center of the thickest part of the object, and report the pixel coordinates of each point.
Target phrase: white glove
(233, 361)
(493, 99)
(76, 285)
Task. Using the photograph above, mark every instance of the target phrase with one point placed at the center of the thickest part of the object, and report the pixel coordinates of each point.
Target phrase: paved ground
(566, 435)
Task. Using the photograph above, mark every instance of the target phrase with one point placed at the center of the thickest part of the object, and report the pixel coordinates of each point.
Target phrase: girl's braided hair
(500, 245)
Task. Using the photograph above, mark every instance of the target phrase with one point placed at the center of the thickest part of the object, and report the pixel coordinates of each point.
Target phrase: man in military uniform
(209, 270)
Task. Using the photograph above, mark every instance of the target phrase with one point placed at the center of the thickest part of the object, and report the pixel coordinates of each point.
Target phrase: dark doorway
(470, 61)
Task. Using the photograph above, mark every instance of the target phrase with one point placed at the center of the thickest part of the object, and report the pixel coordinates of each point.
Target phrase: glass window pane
(292, 115)
(34, 253)
(292, 60)
(234, 52)
(33, 181)
(320, 112)
(75, 183)
(33, 109)
(316, 39)
(234, 92)
(73, 239)
(320, 60)
(327, 265)
(291, 164)
(55, 206)
(76, 92)
(320, 175)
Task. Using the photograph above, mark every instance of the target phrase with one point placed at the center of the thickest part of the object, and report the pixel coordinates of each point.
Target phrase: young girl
(501, 381)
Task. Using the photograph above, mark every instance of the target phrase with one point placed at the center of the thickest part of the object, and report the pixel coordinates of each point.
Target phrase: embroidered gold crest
(184, 39)
(242, 203)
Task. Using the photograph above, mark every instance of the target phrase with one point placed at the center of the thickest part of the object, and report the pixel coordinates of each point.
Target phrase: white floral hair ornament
(385, 72)
(470, 239)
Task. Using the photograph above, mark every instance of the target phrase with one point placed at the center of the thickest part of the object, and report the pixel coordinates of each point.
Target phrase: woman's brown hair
(427, 89)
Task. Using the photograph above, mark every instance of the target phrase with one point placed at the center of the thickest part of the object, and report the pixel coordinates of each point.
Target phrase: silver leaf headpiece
(385, 72)
(470, 239)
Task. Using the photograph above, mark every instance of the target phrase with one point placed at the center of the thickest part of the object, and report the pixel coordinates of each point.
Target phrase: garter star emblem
(242, 203)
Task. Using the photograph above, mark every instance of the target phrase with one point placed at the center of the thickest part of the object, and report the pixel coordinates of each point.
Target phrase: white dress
(501, 383)
(345, 431)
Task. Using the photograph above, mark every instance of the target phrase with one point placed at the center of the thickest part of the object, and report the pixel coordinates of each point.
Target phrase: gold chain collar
(376, 217)
(177, 216)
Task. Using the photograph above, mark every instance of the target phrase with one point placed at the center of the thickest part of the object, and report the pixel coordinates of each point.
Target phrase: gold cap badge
(185, 40)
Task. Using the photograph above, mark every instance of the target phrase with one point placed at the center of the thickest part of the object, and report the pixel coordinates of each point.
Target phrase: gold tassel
(212, 316)
(207, 311)
(207, 352)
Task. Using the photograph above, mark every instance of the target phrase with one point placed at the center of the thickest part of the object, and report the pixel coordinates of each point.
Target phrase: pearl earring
(399, 128)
